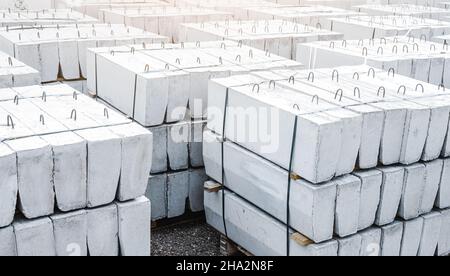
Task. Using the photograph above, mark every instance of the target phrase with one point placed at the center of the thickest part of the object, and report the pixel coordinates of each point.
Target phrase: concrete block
(350, 246)
(197, 179)
(443, 196)
(8, 185)
(157, 193)
(103, 231)
(69, 153)
(432, 223)
(413, 187)
(70, 232)
(196, 144)
(370, 197)
(160, 159)
(412, 233)
(177, 193)
(35, 176)
(104, 164)
(35, 237)
(433, 177)
(391, 239)
(7, 242)
(371, 242)
(391, 194)
(444, 238)
(134, 227)
(346, 221)
(178, 146)
(137, 149)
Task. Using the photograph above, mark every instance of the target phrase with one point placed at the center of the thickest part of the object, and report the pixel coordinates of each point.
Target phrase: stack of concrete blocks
(237, 8)
(155, 85)
(74, 176)
(14, 73)
(404, 10)
(410, 56)
(367, 27)
(10, 18)
(392, 128)
(343, 4)
(93, 7)
(59, 52)
(275, 36)
(444, 5)
(26, 4)
(162, 20)
(315, 16)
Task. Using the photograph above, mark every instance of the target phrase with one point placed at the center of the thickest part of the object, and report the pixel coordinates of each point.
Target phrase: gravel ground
(192, 239)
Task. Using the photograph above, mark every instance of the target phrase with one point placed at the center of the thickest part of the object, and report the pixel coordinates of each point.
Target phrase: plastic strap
(223, 167)
(288, 199)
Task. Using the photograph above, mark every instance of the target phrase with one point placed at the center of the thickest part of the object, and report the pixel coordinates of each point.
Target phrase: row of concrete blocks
(19, 18)
(84, 159)
(359, 117)
(62, 52)
(342, 206)
(122, 228)
(177, 146)
(424, 61)
(263, 235)
(173, 193)
(14, 73)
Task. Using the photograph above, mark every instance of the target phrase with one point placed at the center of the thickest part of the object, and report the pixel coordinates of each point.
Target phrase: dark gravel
(192, 239)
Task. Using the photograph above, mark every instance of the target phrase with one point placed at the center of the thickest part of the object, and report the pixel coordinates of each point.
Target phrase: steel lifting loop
(371, 71)
(356, 76)
(238, 58)
(395, 49)
(365, 52)
(198, 44)
(315, 98)
(402, 87)
(10, 121)
(223, 46)
(112, 53)
(441, 86)
(106, 113)
(42, 119)
(178, 61)
(292, 80)
(339, 94)
(199, 61)
(423, 37)
(383, 41)
(380, 51)
(133, 50)
(432, 47)
(147, 68)
(344, 43)
(16, 100)
(421, 86)
(392, 70)
(416, 47)
(335, 75)
(10, 61)
(405, 49)
(256, 88)
(381, 89)
(311, 77)
(44, 96)
(73, 114)
(75, 96)
(357, 91)
(332, 45)
(296, 106)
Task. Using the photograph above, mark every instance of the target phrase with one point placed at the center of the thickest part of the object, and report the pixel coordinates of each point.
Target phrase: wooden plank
(212, 187)
(301, 240)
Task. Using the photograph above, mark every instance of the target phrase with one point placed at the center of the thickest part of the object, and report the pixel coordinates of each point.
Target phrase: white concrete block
(103, 231)
(157, 193)
(69, 153)
(134, 227)
(433, 177)
(70, 232)
(371, 242)
(391, 194)
(177, 193)
(104, 163)
(412, 233)
(444, 239)
(35, 237)
(443, 196)
(35, 176)
(8, 185)
(196, 144)
(370, 197)
(414, 185)
(7, 242)
(137, 149)
(160, 159)
(391, 239)
(346, 221)
(432, 223)
(177, 146)
(197, 179)
(350, 246)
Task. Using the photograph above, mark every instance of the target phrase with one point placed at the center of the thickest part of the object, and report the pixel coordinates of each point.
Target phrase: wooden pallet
(231, 249)
(188, 217)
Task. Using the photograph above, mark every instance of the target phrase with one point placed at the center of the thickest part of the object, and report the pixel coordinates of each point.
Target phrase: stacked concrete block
(93, 7)
(263, 235)
(315, 16)
(350, 151)
(59, 52)
(17, 18)
(62, 151)
(14, 73)
(345, 4)
(26, 4)
(411, 56)
(367, 27)
(162, 20)
(404, 10)
(275, 36)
